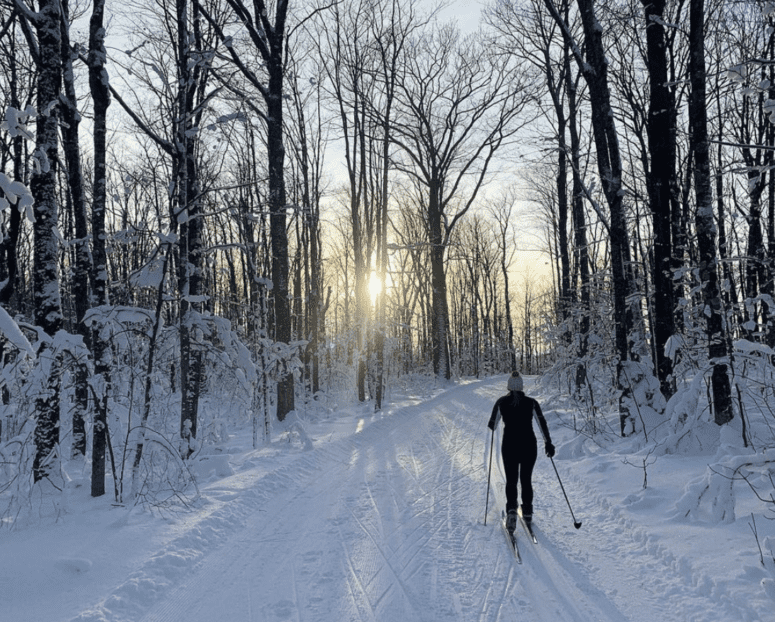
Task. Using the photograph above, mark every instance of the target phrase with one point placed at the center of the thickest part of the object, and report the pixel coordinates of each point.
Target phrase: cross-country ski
(528, 527)
(511, 538)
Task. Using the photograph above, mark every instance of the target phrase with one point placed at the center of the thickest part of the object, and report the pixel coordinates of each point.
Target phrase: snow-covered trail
(387, 525)
(369, 528)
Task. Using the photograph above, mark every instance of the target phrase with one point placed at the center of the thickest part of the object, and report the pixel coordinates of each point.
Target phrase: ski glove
(549, 450)
(494, 418)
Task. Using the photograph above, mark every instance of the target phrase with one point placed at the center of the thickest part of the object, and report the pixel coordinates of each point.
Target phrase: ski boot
(511, 521)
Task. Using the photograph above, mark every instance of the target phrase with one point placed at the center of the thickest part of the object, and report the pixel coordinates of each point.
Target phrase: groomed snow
(383, 520)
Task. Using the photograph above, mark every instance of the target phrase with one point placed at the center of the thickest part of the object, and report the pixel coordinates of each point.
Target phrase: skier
(519, 447)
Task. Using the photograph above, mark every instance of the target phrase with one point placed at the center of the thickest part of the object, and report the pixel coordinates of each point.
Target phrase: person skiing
(519, 447)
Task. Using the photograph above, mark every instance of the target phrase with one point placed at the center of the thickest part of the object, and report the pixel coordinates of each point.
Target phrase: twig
(752, 525)
(645, 464)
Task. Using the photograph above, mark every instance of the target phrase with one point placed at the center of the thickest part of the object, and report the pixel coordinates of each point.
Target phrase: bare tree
(351, 69)
(266, 29)
(502, 211)
(594, 67)
(457, 105)
(390, 34)
(748, 114)
(364, 43)
(308, 139)
(179, 78)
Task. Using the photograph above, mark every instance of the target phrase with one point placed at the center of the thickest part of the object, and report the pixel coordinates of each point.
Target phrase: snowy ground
(383, 520)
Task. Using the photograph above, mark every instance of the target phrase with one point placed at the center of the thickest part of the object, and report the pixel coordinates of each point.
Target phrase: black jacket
(517, 410)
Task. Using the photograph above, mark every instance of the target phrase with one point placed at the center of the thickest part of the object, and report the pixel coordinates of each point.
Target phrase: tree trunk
(579, 228)
(562, 219)
(382, 239)
(47, 297)
(98, 84)
(609, 165)
(662, 149)
(9, 267)
(189, 217)
(505, 215)
(269, 39)
(440, 312)
(277, 221)
(706, 231)
(71, 119)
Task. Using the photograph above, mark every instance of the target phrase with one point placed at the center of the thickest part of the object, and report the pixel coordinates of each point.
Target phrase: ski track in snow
(387, 525)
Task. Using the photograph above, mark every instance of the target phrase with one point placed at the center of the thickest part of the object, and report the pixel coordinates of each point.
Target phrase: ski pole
(489, 470)
(576, 523)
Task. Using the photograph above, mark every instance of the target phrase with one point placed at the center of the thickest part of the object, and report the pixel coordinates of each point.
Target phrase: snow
(354, 515)
(10, 330)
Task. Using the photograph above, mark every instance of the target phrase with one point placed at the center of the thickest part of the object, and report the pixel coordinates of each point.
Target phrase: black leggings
(518, 462)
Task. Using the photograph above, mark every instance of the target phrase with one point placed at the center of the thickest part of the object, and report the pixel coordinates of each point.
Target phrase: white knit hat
(515, 381)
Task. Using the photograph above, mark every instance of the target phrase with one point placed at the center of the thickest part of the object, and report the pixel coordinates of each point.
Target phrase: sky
(467, 13)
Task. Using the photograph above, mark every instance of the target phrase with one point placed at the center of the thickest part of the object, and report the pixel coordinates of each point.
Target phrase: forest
(217, 212)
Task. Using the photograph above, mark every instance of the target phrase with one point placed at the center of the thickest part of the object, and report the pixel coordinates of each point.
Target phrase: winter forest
(217, 214)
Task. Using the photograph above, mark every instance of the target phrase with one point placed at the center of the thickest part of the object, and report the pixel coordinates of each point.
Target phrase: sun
(375, 286)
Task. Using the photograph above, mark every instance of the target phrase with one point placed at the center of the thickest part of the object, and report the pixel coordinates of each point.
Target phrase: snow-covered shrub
(645, 401)
(165, 479)
(33, 365)
(754, 381)
(710, 497)
(690, 428)
(229, 376)
(591, 380)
